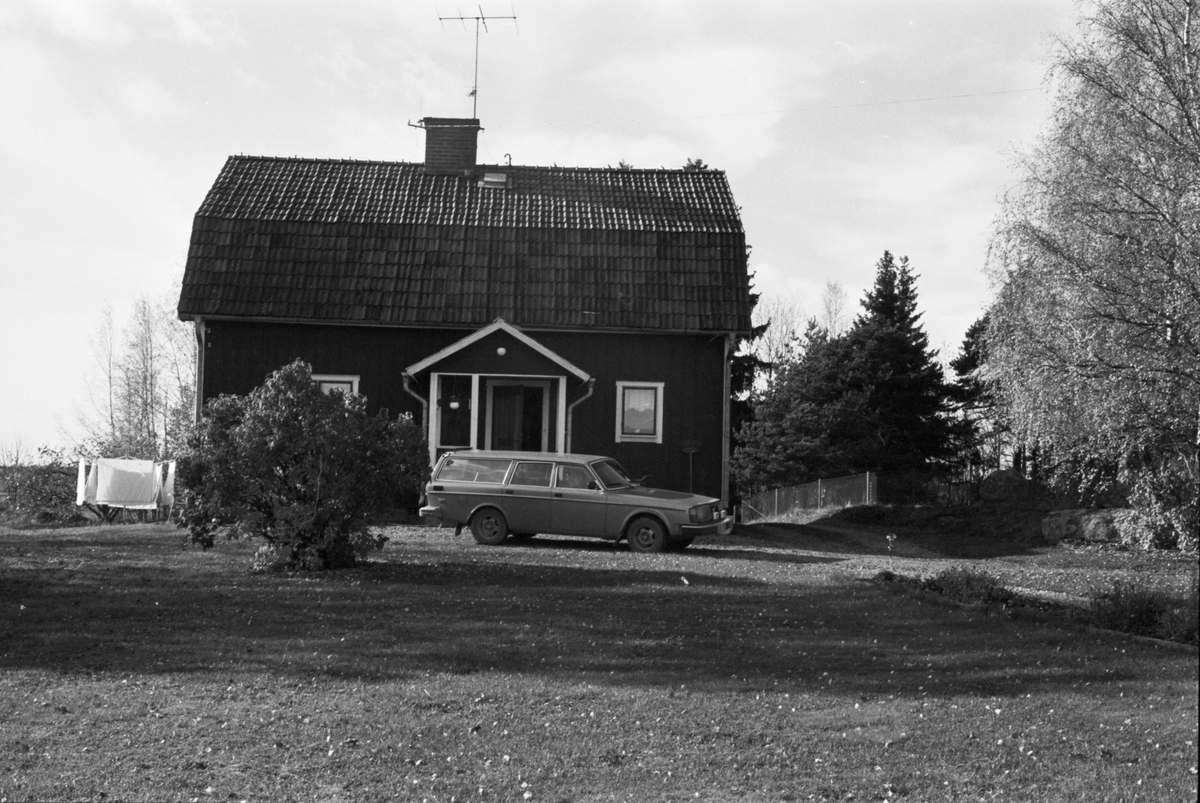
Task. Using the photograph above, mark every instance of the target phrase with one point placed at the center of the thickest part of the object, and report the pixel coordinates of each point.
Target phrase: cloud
(86, 21)
(923, 196)
(146, 100)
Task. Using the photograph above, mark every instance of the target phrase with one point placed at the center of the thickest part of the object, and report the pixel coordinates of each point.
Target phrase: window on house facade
(454, 393)
(346, 383)
(639, 412)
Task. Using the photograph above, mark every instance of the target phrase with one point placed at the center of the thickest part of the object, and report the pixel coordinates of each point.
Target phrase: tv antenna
(481, 19)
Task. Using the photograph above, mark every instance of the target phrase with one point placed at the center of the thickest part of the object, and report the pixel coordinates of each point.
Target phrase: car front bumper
(722, 526)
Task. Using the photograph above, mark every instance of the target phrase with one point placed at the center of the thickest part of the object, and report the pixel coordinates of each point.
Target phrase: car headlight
(700, 514)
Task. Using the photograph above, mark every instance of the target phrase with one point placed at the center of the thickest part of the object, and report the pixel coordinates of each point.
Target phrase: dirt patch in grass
(753, 667)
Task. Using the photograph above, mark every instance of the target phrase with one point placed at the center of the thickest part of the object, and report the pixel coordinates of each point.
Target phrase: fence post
(776, 502)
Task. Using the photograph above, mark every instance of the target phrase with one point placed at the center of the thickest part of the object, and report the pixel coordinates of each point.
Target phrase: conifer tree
(899, 373)
(873, 399)
(892, 301)
(983, 435)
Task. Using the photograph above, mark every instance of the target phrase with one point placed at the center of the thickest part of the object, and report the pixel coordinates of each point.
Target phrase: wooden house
(548, 309)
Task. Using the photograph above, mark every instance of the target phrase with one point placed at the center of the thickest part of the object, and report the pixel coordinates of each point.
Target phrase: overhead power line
(802, 109)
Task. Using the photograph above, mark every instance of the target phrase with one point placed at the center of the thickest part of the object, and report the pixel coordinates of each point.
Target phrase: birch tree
(783, 319)
(833, 308)
(1095, 329)
(141, 389)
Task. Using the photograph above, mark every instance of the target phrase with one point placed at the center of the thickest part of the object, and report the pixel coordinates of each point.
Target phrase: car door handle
(508, 492)
(558, 496)
(437, 487)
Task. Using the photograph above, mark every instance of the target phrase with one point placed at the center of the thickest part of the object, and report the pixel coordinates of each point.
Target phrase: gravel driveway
(827, 554)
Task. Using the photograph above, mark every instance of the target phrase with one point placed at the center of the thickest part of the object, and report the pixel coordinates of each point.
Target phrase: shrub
(299, 468)
(968, 585)
(1164, 495)
(1144, 612)
(43, 492)
(1157, 526)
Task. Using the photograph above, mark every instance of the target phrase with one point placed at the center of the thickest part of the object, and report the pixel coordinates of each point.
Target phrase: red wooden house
(534, 308)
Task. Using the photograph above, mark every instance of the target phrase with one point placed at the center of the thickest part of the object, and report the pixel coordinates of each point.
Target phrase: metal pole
(475, 85)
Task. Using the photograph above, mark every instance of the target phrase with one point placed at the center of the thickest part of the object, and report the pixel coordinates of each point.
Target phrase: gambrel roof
(388, 243)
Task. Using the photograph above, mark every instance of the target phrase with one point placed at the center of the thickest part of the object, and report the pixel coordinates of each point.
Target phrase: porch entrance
(496, 388)
(512, 413)
(518, 415)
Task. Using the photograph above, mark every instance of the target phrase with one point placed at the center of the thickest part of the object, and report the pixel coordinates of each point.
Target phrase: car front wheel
(646, 535)
(489, 527)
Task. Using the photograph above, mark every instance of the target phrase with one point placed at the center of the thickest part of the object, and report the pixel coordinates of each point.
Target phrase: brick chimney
(450, 144)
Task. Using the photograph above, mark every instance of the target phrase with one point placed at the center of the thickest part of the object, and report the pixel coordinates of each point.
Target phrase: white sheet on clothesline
(119, 482)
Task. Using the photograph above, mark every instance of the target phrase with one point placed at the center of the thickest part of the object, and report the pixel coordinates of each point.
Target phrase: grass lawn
(758, 667)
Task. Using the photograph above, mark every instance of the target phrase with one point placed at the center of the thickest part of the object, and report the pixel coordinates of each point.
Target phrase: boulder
(1087, 525)
(1004, 485)
(1060, 524)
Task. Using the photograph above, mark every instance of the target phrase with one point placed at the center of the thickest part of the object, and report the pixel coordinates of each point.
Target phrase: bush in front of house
(301, 469)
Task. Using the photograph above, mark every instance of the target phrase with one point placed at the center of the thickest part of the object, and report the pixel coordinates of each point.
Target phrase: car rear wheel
(681, 542)
(646, 535)
(489, 527)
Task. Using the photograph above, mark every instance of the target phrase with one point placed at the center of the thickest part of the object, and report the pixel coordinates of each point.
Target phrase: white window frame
(657, 387)
(339, 378)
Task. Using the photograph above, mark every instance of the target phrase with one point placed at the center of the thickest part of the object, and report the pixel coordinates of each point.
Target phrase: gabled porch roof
(499, 325)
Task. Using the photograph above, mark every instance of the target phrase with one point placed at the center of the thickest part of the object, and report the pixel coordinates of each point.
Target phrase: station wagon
(521, 494)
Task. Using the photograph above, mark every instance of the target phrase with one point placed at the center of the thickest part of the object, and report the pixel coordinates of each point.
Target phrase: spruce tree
(873, 399)
(899, 373)
(892, 301)
(981, 430)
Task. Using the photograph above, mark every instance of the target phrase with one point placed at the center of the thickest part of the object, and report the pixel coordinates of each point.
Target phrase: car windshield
(611, 474)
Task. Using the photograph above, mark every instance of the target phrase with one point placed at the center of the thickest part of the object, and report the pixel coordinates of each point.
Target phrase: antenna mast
(482, 19)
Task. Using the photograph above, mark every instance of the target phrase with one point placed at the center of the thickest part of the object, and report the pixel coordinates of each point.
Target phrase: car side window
(573, 477)
(536, 474)
(468, 469)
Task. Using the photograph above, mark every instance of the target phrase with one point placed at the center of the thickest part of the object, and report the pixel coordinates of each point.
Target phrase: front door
(518, 415)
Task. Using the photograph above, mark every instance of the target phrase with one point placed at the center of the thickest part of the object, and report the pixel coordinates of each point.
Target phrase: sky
(845, 129)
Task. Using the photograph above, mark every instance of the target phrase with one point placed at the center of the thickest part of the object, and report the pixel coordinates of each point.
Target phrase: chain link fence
(859, 489)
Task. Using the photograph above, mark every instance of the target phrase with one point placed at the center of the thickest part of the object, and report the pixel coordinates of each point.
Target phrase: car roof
(541, 456)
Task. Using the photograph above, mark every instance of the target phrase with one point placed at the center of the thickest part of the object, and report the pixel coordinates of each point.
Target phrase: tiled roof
(385, 243)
